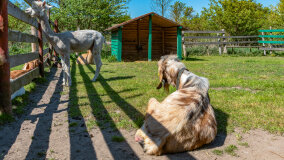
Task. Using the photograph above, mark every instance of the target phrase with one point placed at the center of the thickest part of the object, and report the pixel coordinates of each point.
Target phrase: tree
(15, 24)
(177, 11)
(238, 17)
(161, 6)
(89, 14)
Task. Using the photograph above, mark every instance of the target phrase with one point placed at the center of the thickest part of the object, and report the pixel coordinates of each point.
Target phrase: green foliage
(117, 139)
(15, 24)
(89, 14)
(161, 6)
(231, 150)
(177, 11)
(218, 152)
(238, 17)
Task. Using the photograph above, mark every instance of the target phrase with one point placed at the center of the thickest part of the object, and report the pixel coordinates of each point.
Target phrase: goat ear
(44, 3)
(48, 6)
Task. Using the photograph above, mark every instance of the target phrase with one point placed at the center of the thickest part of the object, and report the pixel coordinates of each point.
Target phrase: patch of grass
(245, 144)
(231, 150)
(91, 124)
(73, 124)
(117, 139)
(5, 118)
(127, 87)
(239, 137)
(218, 152)
(41, 154)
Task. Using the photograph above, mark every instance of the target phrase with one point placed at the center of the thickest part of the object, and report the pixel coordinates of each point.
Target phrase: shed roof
(156, 19)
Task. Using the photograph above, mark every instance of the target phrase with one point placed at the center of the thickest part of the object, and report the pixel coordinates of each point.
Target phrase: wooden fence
(270, 45)
(223, 41)
(15, 60)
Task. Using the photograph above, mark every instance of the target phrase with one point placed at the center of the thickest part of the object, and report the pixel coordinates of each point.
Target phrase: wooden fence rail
(222, 40)
(267, 45)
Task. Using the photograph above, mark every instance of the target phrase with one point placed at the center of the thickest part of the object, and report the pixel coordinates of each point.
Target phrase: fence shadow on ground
(43, 127)
(102, 116)
(7, 143)
(194, 59)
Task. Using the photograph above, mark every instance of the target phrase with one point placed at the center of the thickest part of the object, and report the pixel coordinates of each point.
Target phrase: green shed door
(114, 43)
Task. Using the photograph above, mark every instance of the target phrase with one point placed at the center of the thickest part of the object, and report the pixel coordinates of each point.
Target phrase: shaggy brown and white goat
(185, 120)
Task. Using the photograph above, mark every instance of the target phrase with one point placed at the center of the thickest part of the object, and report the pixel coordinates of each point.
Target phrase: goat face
(38, 9)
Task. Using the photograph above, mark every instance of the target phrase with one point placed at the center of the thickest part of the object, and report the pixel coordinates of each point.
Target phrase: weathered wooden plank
(272, 42)
(17, 36)
(215, 37)
(243, 46)
(19, 59)
(21, 15)
(25, 79)
(199, 43)
(272, 49)
(272, 30)
(203, 32)
(272, 36)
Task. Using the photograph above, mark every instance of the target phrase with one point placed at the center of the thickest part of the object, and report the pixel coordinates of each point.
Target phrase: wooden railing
(15, 60)
(223, 41)
(270, 44)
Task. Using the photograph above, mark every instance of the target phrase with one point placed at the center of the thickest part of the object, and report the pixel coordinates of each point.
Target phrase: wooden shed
(146, 37)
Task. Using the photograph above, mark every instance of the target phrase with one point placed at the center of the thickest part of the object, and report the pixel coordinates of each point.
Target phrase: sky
(140, 7)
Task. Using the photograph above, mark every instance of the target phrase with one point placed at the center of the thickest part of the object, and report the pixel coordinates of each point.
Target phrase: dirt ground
(43, 133)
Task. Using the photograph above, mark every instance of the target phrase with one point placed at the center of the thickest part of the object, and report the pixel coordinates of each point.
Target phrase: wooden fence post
(183, 46)
(40, 51)
(263, 45)
(34, 45)
(224, 40)
(270, 45)
(219, 45)
(5, 92)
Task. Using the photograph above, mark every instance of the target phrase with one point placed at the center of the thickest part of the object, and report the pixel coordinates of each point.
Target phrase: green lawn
(120, 96)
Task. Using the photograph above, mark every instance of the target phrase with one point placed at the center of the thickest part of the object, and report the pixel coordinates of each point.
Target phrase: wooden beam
(119, 53)
(163, 41)
(216, 37)
(21, 15)
(203, 32)
(29, 2)
(23, 80)
(199, 43)
(179, 42)
(138, 37)
(17, 36)
(150, 39)
(5, 93)
(272, 49)
(19, 59)
(272, 30)
(272, 42)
